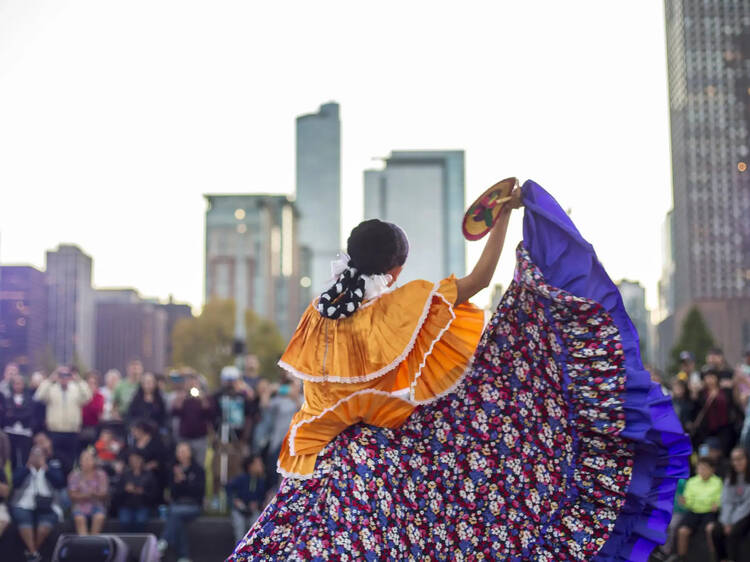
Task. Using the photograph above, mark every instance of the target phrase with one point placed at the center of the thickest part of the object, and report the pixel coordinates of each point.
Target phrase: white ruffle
(295, 475)
(293, 431)
(393, 364)
(413, 386)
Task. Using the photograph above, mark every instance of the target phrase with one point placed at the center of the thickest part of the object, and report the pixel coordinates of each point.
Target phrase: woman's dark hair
(733, 472)
(248, 461)
(374, 247)
(146, 426)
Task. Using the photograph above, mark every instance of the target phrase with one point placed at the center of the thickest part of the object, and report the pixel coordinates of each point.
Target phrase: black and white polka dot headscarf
(374, 247)
(344, 296)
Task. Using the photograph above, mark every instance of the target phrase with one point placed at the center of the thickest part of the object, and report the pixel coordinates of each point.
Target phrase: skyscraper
(634, 298)
(23, 317)
(128, 327)
(708, 52)
(70, 320)
(253, 257)
(423, 192)
(319, 188)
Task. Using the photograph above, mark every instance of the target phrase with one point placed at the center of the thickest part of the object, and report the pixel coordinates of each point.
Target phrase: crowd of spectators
(713, 405)
(136, 448)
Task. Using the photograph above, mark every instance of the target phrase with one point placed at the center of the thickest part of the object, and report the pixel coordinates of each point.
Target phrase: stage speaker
(96, 548)
(139, 547)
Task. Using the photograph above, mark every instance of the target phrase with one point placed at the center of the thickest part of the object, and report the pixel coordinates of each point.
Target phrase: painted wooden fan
(483, 213)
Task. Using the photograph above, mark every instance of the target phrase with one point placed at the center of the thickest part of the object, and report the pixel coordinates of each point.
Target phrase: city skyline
(128, 153)
(707, 233)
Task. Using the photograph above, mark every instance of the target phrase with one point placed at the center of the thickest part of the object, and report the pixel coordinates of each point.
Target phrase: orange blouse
(404, 348)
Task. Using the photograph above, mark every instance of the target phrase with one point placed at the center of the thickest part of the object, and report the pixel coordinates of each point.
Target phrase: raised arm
(481, 275)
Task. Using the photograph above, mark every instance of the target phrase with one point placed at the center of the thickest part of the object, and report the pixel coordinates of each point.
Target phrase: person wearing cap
(64, 393)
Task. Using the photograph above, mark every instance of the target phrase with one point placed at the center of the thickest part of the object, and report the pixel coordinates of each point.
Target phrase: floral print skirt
(554, 446)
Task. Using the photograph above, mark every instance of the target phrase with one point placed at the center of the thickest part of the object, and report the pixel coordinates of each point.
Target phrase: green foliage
(265, 341)
(204, 343)
(694, 337)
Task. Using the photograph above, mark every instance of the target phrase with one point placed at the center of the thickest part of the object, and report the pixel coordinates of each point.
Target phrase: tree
(205, 342)
(265, 341)
(694, 337)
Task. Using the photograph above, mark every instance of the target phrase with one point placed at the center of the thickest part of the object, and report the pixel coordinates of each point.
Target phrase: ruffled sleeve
(403, 325)
(443, 348)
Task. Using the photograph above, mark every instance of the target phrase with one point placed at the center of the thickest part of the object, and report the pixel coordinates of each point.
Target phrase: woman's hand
(516, 199)
(481, 275)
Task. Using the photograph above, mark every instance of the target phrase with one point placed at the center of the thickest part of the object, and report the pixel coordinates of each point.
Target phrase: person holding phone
(194, 410)
(187, 486)
(64, 393)
(34, 505)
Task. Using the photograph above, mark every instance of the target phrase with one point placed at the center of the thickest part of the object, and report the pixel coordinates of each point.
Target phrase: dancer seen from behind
(426, 435)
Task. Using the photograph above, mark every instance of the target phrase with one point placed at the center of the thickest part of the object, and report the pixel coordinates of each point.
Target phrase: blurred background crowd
(712, 401)
(138, 445)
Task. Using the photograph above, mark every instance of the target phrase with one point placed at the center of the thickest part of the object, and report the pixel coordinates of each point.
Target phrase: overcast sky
(115, 117)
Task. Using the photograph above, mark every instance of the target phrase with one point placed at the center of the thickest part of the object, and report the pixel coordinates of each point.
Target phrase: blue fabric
(569, 262)
(175, 529)
(133, 519)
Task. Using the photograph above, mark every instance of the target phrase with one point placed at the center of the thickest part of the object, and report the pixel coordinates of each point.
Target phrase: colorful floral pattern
(522, 462)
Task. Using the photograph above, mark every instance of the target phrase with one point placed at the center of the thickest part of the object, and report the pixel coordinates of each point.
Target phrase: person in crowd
(187, 483)
(127, 387)
(176, 388)
(701, 500)
(91, 412)
(233, 420)
(684, 405)
(712, 449)
(42, 440)
(715, 361)
(111, 379)
(4, 492)
(136, 493)
(147, 443)
(276, 418)
(148, 403)
(88, 489)
(733, 526)
(251, 374)
(713, 418)
(9, 372)
(19, 421)
(108, 446)
(689, 374)
(193, 408)
(35, 503)
(5, 449)
(40, 408)
(64, 393)
(246, 494)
